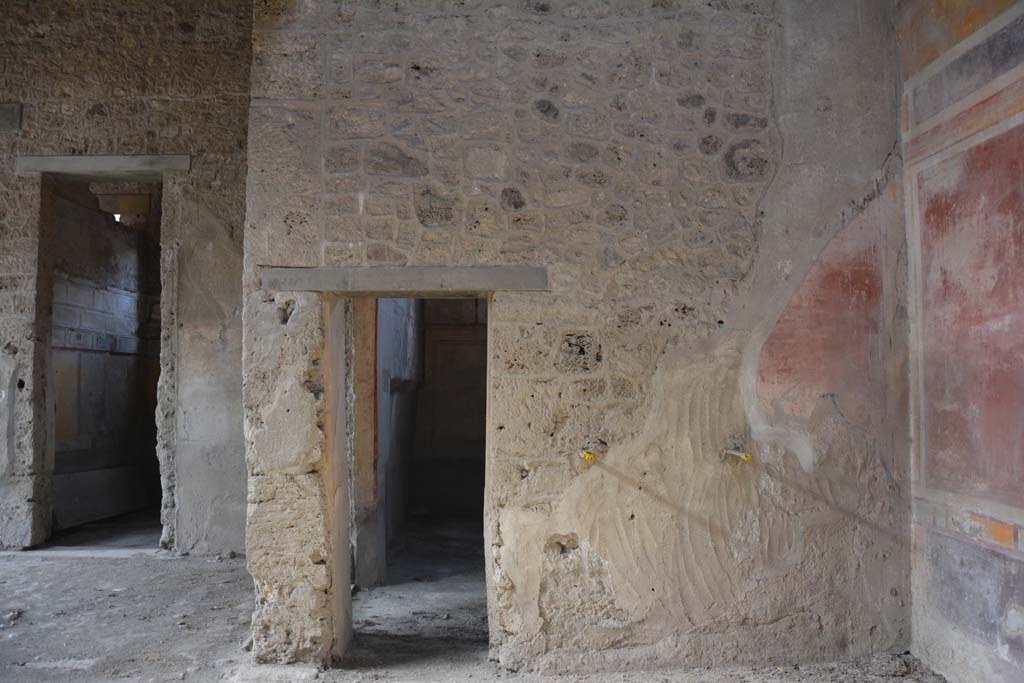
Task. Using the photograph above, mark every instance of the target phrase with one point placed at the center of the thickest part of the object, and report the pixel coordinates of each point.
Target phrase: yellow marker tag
(589, 456)
(745, 457)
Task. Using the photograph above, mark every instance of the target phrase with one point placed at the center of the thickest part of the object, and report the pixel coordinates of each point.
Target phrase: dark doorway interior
(105, 349)
(431, 375)
(447, 461)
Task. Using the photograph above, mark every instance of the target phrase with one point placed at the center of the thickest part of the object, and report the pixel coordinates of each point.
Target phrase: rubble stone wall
(678, 167)
(102, 77)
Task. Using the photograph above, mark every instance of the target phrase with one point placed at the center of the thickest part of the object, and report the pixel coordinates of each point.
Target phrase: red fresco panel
(826, 340)
(972, 256)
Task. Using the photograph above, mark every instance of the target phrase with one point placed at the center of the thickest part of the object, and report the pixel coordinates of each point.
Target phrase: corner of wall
(963, 136)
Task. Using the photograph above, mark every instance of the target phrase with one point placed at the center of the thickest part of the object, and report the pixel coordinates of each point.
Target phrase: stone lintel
(407, 281)
(104, 165)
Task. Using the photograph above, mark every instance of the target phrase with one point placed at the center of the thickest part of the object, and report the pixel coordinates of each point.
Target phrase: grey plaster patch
(10, 116)
(998, 54)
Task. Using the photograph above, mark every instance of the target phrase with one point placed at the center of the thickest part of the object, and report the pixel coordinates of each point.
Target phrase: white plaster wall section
(208, 373)
(212, 262)
(1012, 628)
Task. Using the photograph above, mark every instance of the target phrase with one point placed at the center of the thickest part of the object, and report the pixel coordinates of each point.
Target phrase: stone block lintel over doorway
(407, 281)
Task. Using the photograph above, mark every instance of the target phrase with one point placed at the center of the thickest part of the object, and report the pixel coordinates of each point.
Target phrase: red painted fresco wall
(972, 256)
(826, 342)
(963, 143)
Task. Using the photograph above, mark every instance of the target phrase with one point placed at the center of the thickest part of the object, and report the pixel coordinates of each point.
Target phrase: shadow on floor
(433, 606)
(131, 534)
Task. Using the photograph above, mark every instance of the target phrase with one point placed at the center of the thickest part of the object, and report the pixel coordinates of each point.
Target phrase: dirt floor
(69, 613)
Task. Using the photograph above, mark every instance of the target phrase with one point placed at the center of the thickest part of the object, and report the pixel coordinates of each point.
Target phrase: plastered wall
(963, 139)
(714, 188)
(103, 77)
(387, 365)
(399, 373)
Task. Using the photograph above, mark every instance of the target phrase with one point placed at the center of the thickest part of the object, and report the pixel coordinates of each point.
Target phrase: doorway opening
(105, 359)
(418, 474)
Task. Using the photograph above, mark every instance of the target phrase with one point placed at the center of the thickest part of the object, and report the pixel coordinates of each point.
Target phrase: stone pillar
(294, 406)
(26, 446)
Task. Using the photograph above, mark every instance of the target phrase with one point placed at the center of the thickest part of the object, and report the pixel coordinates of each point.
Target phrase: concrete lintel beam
(103, 165)
(407, 281)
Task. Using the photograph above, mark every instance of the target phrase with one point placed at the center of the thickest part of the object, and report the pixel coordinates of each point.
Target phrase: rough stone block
(388, 159)
(486, 163)
(342, 159)
(19, 527)
(578, 353)
(434, 207)
(376, 69)
(292, 621)
(343, 253)
(522, 349)
(285, 66)
(348, 122)
(287, 151)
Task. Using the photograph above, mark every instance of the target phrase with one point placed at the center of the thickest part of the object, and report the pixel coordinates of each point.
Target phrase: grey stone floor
(132, 534)
(154, 617)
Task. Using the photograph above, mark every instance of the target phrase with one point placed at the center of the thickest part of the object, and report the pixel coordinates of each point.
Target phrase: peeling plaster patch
(577, 589)
(1012, 630)
(745, 537)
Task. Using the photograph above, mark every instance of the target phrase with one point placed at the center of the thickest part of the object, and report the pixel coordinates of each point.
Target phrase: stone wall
(106, 77)
(678, 167)
(963, 138)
